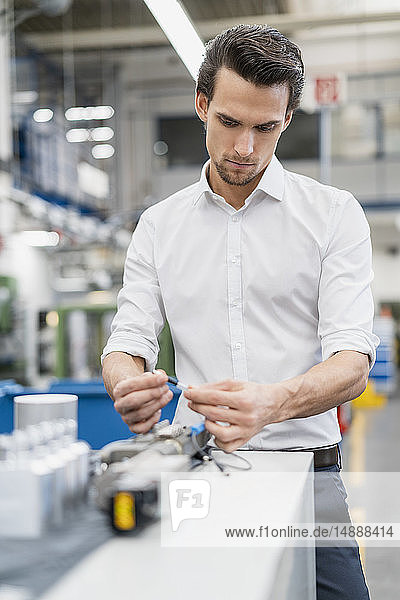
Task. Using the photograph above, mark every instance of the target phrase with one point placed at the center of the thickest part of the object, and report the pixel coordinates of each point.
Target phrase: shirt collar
(271, 183)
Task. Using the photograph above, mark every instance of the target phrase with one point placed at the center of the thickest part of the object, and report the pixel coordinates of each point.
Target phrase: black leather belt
(325, 457)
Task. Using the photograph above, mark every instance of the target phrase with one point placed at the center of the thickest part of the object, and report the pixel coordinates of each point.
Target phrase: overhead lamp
(180, 31)
(43, 115)
(101, 134)
(89, 113)
(77, 135)
(160, 148)
(103, 151)
(52, 318)
(40, 238)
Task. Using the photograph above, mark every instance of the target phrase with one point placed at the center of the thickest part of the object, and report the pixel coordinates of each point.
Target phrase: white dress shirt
(258, 294)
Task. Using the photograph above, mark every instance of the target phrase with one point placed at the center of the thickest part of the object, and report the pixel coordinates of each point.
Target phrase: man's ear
(288, 119)
(201, 106)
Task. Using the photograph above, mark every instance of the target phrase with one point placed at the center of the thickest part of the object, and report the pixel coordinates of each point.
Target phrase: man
(263, 276)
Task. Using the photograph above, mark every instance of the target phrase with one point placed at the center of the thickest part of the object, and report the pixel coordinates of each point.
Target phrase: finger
(142, 414)
(160, 371)
(230, 446)
(141, 382)
(217, 413)
(135, 400)
(228, 385)
(223, 433)
(145, 412)
(145, 426)
(213, 397)
(127, 409)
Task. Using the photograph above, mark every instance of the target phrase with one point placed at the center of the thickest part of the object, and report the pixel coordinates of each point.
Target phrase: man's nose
(244, 143)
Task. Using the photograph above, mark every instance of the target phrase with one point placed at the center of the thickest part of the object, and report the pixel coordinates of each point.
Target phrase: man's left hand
(244, 406)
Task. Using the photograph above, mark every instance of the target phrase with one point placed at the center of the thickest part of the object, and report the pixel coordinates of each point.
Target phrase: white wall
(386, 284)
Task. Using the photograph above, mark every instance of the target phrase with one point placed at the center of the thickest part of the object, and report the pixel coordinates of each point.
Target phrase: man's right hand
(139, 400)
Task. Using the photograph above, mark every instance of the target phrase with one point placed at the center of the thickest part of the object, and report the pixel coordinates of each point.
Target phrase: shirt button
(235, 219)
(238, 346)
(235, 259)
(236, 303)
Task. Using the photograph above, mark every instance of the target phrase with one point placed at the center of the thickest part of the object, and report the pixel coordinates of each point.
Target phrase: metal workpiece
(35, 408)
(127, 486)
(187, 440)
(43, 479)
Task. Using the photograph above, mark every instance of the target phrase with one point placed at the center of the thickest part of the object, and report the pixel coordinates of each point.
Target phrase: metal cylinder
(32, 409)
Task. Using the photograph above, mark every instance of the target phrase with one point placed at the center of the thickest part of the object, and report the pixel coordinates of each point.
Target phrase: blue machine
(98, 422)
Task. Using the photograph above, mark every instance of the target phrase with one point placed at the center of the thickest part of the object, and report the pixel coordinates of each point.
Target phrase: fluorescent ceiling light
(178, 28)
(43, 115)
(40, 238)
(103, 151)
(27, 97)
(77, 135)
(89, 113)
(97, 134)
(101, 134)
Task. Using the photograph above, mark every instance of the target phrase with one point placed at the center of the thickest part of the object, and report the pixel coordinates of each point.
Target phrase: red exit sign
(329, 89)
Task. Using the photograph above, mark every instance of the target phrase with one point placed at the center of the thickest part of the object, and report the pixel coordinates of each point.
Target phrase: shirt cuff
(359, 341)
(134, 349)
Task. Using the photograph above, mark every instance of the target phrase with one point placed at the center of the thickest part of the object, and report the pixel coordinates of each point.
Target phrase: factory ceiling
(90, 24)
(94, 14)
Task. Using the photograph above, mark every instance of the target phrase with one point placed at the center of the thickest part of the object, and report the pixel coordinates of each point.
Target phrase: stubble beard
(239, 179)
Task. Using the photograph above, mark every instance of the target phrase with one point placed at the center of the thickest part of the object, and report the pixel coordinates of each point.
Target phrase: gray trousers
(338, 567)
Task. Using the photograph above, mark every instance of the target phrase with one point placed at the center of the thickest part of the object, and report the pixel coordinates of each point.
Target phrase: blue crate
(8, 389)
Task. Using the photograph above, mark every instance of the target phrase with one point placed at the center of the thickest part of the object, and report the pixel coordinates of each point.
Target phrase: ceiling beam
(119, 37)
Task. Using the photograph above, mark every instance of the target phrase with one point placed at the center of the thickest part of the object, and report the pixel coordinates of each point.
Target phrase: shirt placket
(235, 298)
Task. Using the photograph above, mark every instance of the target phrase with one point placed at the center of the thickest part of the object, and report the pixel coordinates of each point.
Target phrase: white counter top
(139, 567)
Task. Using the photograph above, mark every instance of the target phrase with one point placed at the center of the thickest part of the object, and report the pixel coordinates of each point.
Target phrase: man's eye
(266, 129)
(228, 123)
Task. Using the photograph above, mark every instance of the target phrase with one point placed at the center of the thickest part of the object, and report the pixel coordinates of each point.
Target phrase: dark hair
(258, 53)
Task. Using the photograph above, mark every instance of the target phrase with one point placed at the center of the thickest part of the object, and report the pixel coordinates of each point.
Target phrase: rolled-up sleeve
(140, 316)
(346, 307)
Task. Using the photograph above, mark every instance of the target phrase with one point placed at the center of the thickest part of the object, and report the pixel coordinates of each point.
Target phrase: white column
(6, 210)
(325, 145)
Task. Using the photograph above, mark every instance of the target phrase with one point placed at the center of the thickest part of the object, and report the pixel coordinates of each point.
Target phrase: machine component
(128, 483)
(35, 408)
(44, 475)
(175, 381)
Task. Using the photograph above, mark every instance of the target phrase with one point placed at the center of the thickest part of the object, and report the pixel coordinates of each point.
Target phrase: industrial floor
(373, 444)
